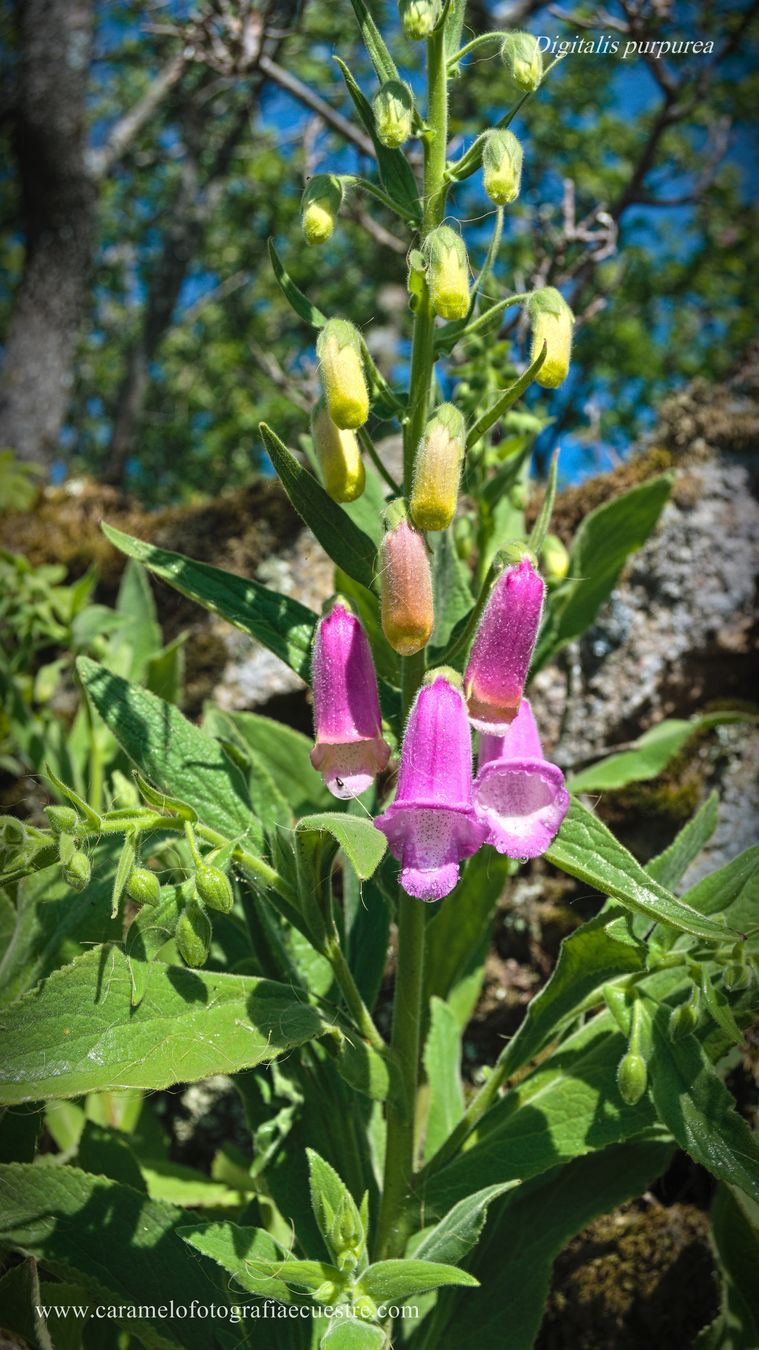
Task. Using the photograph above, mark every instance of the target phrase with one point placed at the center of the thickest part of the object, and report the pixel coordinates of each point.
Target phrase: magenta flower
(518, 794)
(431, 825)
(502, 648)
(349, 750)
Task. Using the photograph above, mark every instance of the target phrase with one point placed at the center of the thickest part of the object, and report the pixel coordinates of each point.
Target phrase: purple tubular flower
(518, 794)
(431, 826)
(502, 648)
(349, 750)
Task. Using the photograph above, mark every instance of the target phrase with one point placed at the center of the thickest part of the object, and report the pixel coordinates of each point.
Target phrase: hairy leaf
(442, 1064)
(650, 755)
(363, 844)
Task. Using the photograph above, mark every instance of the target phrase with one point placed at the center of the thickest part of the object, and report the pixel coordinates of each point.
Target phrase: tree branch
(292, 85)
(101, 161)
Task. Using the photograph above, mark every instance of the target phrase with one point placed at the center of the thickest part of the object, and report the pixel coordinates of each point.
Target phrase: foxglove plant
(374, 1161)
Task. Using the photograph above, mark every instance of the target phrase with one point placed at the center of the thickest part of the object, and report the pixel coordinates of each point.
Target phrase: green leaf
(453, 1238)
(735, 1233)
(442, 1064)
(650, 755)
(374, 42)
(294, 297)
(525, 1233)
(139, 639)
(106, 1152)
(668, 867)
(602, 545)
(458, 935)
(694, 1104)
(541, 526)
(269, 804)
(330, 1198)
(124, 870)
(20, 1300)
(585, 848)
(502, 404)
(363, 844)
(567, 1107)
(452, 595)
(78, 1031)
(353, 1335)
(731, 891)
(345, 543)
(389, 1280)
(149, 931)
(284, 752)
(173, 753)
(277, 621)
(235, 1249)
(122, 1246)
(588, 958)
(395, 172)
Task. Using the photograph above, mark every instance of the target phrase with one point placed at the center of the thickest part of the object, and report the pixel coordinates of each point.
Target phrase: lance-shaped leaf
(389, 1280)
(394, 168)
(454, 1236)
(374, 42)
(585, 848)
(293, 295)
(78, 1032)
(238, 1250)
(651, 753)
(668, 867)
(732, 891)
(277, 621)
(442, 1063)
(345, 543)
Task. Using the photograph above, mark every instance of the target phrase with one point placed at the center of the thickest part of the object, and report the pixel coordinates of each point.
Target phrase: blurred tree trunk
(59, 206)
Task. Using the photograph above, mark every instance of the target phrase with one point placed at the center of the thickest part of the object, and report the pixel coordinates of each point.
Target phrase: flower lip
(348, 769)
(522, 802)
(430, 840)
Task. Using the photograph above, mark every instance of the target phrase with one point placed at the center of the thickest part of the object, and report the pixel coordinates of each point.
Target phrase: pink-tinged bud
(406, 589)
(518, 794)
(502, 648)
(350, 750)
(431, 826)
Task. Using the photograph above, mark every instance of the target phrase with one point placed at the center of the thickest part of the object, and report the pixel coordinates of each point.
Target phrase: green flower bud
(143, 887)
(737, 976)
(552, 321)
(365, 1308)
(437, 469)
(338, 348)
(339, 455)
(214, 888)
(523, 60)
(447, 272)
(502, 167)
(463, 537)
(77, 871)
(632, 1077)
(319, 207)
(418, 17)
(684, 1019)
(193, 934)
(555, 558)
(393, 106)
(326, 1293)
(62, 819)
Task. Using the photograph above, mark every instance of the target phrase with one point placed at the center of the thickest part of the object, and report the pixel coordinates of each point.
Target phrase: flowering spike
(393, 107)
(350, 750)
(447, 272)
(319, 207)
(523, 60)
(406, 588)
(502, 167)
(431, 826)
(518, 794)
(503, 646)
(339, 456)
(437, 469)
(418, 17)
(552, 321)
(338, 348)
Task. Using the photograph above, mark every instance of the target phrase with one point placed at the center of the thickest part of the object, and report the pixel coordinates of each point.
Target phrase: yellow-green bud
(523, 60)
(447, 272)
(418, 17)
(502, 167)
(319, 207)
(338, 348)
(326, 1293)
(62, 819)
(143, 887)
(77, 871)
(339, 456)
(365, 1308)
(555, 558)
(437, 469)
(393, 106)
(632, 1078)
(214, 888)
(193, 934)
(552, 321)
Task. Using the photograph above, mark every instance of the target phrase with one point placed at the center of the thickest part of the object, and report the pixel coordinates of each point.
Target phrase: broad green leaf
(345, 543)
(269, 804)
(650, 755)
(367, 1070)
(164, 674)
(179, 1185)
(668, 867)
(460, 1230)
(235, 1249)
(20, 1301)
(121, 1245)
(588, 958)
(604, 541)
(566, 1108)
(389, 1280)
(367, 918)
(366, 511)
(362, 843)
(458, 935)
(277, 621)
(733, 891)
(735, 1234)
(172, 753)
(79, 1032)
(442, 1065)
(293, 295)
(284, 752)
(394, 169)
(694, 1104)
(526, 1231)
(139, 639)
(353, 1335)
(585, 848)
(107, 1153)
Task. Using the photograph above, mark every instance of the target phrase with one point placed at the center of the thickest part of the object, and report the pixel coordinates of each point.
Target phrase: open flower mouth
(523, 803)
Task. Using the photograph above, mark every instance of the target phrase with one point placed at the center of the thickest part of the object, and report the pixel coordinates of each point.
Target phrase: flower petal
(348, 769)
(429, 841)
(523, 802)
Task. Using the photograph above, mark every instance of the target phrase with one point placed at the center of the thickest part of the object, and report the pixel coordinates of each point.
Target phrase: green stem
(350, 992)
(368, 445)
